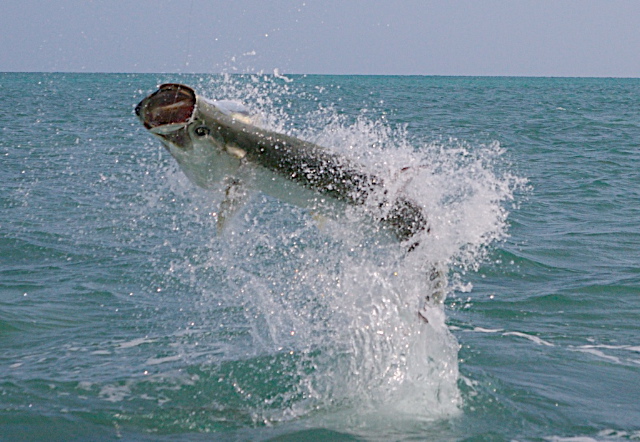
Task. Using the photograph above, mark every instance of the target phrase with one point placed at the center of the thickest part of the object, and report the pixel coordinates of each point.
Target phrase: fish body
(218, 142)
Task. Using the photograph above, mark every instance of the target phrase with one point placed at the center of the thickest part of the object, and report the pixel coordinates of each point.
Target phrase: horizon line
(273, 74)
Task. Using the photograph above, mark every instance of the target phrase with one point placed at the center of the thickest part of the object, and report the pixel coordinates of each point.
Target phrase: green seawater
(124, 315)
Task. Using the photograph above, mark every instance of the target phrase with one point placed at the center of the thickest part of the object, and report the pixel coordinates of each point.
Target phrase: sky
(585, 38)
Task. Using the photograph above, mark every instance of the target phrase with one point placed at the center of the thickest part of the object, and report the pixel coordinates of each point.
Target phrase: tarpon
(217, 143)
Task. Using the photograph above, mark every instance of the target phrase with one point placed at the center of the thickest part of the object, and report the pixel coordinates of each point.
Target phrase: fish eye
(202, 131)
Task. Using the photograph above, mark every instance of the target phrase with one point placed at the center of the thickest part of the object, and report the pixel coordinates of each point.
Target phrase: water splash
(310, 319)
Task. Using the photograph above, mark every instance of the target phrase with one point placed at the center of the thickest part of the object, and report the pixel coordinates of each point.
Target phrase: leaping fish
(217, 142)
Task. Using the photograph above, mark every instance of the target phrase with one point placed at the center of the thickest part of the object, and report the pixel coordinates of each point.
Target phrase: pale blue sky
(465, 37)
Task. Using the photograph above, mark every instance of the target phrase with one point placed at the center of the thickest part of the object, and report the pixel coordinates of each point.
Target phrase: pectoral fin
(236, 196)
(321, 221)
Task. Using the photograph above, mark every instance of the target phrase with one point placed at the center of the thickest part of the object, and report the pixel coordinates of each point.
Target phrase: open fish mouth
(168, 109)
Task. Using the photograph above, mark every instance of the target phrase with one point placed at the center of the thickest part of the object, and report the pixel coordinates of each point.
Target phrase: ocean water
(125, 315)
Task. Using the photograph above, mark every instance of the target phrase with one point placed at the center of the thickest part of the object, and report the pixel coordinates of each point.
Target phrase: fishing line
(188, 52)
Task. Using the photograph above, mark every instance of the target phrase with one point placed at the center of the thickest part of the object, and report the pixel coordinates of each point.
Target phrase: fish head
(172, 114)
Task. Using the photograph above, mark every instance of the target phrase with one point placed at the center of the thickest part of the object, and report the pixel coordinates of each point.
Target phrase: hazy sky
(440, 37)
